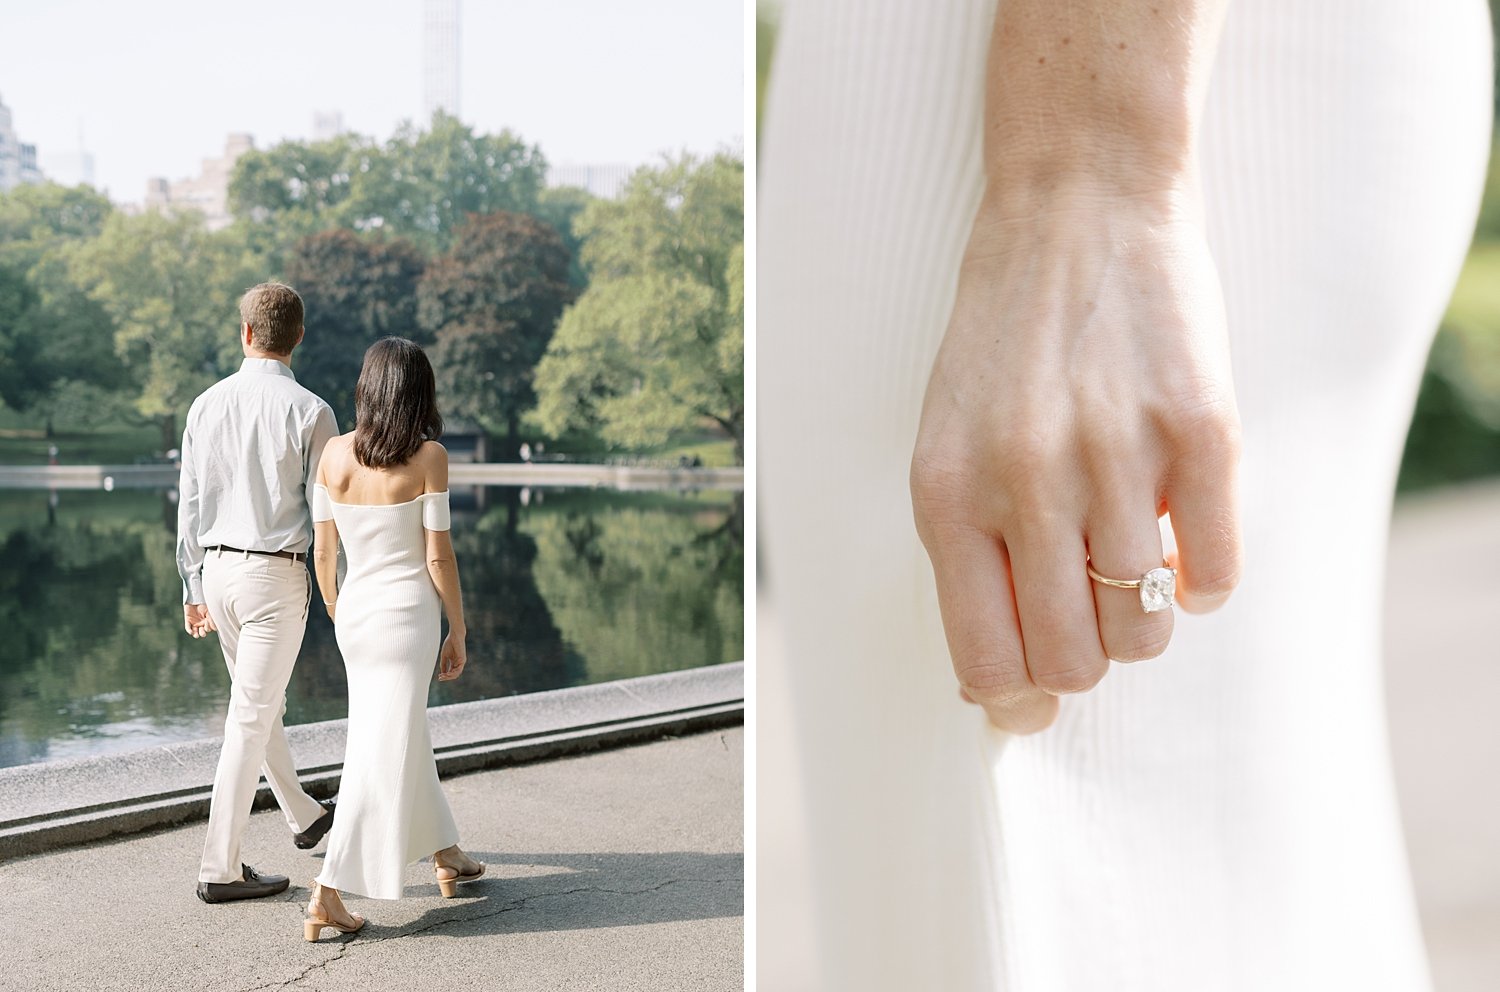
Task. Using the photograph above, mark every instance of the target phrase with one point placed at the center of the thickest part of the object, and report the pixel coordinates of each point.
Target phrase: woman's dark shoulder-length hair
(395, 404)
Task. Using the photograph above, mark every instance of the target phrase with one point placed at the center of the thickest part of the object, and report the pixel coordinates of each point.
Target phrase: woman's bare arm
(326, 556)
(443, 567)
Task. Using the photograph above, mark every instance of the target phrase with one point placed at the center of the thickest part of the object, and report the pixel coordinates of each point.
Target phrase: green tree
(561, 206)
(656, 343)
(170, 288)
(425, 182)
(296, 188)
(18, 339)
(36, 218)
(58, 343)
(356, 290)
(492, 302)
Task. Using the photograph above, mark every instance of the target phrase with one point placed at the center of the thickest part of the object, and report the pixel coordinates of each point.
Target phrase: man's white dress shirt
(250, 451)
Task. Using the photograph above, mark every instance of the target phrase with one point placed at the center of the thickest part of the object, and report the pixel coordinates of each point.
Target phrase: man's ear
(247, 333)
(301, 331)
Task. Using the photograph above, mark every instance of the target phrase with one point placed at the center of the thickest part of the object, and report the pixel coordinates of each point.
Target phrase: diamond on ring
(1158, 587)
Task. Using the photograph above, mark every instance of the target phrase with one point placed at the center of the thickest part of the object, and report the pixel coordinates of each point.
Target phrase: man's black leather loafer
(253, 886)
(309, 838)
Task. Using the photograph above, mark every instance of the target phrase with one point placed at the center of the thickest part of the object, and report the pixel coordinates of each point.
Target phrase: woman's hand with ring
(1081, 390)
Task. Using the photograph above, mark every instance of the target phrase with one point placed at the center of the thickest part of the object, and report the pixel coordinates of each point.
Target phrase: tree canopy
(169, 288)
(656, 342)
(420, 185)
(355, 290)
(492, 302)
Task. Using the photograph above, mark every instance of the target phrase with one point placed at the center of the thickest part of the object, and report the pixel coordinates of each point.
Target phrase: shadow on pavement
(531, 893)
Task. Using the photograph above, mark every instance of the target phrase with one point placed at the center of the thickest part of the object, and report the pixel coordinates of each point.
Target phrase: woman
(1005, 227)
(383, 491)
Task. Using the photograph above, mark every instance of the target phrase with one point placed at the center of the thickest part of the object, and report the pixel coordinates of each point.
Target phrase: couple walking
(258, 453)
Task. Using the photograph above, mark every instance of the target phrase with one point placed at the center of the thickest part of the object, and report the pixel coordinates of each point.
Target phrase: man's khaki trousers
(259, 603)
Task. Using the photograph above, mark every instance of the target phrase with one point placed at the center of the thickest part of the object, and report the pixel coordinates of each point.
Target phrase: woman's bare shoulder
(432, 458)
(335, 453)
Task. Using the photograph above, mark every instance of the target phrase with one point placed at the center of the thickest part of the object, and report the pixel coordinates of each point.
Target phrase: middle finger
(1059, 630)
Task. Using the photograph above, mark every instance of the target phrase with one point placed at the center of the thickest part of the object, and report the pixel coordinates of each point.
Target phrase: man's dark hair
(274, 313)
(395, 404)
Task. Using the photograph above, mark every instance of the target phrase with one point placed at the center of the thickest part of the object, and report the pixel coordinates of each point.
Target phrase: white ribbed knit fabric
(1222, 817)
(391, 808)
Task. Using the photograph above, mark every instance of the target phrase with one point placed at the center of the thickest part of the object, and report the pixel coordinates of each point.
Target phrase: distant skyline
(156, 86)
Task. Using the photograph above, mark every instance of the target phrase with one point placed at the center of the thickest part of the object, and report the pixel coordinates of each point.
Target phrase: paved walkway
(617, 870)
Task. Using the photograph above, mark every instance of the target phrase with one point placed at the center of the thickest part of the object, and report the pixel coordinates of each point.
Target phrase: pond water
(561, 587)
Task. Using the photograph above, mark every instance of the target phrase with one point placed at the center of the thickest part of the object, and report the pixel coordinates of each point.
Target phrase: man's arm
(325, 427)
(325, 536)
(189, 552)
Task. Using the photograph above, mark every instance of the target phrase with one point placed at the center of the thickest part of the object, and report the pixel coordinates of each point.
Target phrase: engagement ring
(1157, 586)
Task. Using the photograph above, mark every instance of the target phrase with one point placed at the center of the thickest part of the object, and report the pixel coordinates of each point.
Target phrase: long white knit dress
(391, 809)
(1222, 817)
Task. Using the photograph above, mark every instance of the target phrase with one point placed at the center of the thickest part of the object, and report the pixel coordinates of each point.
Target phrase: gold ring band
(1117, 583)
(1158, 586)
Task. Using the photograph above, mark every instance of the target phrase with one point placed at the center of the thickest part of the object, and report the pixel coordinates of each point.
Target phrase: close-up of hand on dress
(1081, 391)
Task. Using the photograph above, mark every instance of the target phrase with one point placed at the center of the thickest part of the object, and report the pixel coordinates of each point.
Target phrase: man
(250, 450)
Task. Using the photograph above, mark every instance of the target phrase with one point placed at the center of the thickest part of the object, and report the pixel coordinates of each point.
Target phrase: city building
(327, 125)
(207, 192)
(440, 49)
(70, 168)
(604, 181)
(17, 161)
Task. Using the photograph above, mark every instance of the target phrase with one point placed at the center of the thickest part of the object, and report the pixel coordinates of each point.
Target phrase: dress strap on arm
(322, 507)
(435, 510)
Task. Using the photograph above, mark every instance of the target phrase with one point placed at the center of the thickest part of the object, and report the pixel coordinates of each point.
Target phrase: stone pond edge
(467, 737)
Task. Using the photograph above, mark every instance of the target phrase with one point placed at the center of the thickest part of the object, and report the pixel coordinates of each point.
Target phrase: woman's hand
(1081, 390)
(331, 607)
(452, 657)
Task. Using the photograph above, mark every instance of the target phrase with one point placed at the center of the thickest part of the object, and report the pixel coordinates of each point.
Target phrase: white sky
(158, 84)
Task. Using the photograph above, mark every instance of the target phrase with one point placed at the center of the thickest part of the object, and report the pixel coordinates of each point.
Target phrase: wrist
(457, 629)
(1077, 212)
(1111, 101)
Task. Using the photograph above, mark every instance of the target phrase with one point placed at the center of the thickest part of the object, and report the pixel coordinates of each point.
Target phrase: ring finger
(1125, 543)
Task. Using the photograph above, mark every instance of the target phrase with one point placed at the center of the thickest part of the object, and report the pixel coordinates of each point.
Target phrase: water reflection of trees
(88, 604)
(514, 646)
(640, 585)
(578, 587)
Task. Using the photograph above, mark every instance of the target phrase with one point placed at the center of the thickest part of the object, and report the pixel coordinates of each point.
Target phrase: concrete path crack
(460, 917)
(315, 966)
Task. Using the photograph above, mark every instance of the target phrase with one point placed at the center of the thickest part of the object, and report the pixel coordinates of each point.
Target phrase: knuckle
(1205, 423)
(1140, 641)
(991, 682)
(1070, 679)
(939, 486)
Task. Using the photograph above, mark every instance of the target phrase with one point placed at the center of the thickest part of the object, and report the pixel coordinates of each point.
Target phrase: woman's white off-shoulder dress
(391, 809)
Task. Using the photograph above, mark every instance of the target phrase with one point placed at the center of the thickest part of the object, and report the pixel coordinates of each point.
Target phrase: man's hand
(196, 621)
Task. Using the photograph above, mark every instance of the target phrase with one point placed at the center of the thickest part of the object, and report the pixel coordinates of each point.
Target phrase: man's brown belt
(293, 555)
